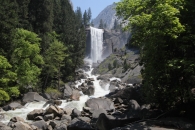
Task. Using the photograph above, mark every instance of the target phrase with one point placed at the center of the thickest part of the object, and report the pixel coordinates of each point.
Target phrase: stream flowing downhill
(96, 48)
(99, 92)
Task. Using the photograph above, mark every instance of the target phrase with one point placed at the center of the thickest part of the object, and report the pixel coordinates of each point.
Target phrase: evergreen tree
(23, 15)
(101, 25)
(85, 18)
(78, 14)
(8, 22)
(89, 15)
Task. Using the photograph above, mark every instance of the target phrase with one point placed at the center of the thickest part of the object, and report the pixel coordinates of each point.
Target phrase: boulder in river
(12, 106)
(97, 103)
(32, 96)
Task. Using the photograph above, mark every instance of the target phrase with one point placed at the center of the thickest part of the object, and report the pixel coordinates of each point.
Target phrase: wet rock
(96, 113)
(89, 91)
(46, 96)
(97, 103)
(67, 90)
(48, 117)
(40, 124)
(54, 110)
(57, 102)
(78, 124)
(21, 126)
(33, 114)
(67, 110)
(75, 95)
(4, 127)
(12, 106)
(75, 113)
(32, 96)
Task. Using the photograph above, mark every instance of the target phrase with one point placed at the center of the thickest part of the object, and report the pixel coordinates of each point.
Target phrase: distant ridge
(107, 15)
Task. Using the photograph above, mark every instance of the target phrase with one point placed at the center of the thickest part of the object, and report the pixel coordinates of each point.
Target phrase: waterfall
(96, 44)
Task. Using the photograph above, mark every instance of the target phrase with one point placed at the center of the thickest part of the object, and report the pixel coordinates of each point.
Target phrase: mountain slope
(107, 15)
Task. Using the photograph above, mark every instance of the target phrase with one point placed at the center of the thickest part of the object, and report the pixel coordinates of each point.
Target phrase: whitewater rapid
(99, 92)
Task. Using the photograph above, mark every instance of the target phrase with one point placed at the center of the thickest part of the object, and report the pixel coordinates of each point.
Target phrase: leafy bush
(13, 91)
(51, 90)
(4, 96)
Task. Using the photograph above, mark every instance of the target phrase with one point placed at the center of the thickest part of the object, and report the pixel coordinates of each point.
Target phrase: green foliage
(51, 90)
(13, 91)
(109, 66)
(8, 22)
(6, 75)
(163, 30)
(26, 57)
(115, 64)
(54, 57)
(3, 96)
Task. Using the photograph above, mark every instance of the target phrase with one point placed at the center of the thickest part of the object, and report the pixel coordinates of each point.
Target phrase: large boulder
(54, 110)
(4, 127)
(75, 95)
(75, 113)
(12, 106)
(41, 124)
(89, 91)
(79, 124)
(21, 126)
(32, 96)
(98, 103)
(33, 114)
(67, 90)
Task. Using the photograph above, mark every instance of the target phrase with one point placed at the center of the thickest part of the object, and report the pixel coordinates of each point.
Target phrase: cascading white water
(96, 44)
(99, 92)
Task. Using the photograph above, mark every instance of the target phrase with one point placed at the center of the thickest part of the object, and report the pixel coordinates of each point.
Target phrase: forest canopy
(37, 35)
(164, 32)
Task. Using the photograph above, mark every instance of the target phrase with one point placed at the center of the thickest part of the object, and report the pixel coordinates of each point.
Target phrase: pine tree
(89, 15)
(8, 22)
(85, 18)
(101, 25)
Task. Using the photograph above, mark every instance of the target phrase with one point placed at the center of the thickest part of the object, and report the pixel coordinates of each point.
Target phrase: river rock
(33, 114)
(89, 91)
(12, 106)
(67, 90)
(75, 113)
(75, 95)
(96, 113)
(105, 77)
(48, 117)
(21, 126)
(67, 110)
(97, 103)
(78, 124)
(54, 110)
(4, 127)
(40, 124)
(32, 96)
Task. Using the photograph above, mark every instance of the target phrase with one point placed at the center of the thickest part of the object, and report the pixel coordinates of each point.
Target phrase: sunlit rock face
(107, 15)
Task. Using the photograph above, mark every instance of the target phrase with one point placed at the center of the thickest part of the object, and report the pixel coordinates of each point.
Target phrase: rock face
(97, 103)
(32, 96)
(123, 64)
(107, 15)
(113, 39)
(12, 106)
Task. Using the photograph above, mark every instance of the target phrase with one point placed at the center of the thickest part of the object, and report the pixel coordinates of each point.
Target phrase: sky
(96, 5)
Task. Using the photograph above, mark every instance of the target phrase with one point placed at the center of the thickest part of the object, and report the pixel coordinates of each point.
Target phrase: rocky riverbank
(122, 108)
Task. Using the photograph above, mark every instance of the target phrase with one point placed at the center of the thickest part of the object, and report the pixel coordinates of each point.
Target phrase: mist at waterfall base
(95, 56)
